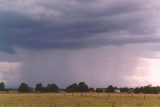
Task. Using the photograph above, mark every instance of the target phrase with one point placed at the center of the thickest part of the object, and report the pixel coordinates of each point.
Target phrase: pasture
(76, 100)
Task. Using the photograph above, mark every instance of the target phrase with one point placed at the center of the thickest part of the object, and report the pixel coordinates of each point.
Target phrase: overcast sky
(100, 42)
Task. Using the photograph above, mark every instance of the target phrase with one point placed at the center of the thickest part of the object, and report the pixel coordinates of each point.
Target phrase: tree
(2, 86)
(51, 88)
(83, 87)
(72, 88)
(39, 87)
(110, 89)
(24, 88)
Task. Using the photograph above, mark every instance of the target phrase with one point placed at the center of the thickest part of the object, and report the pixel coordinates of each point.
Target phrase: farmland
(78, 100)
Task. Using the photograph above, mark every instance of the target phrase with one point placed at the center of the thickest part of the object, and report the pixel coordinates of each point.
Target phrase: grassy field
(76, 100)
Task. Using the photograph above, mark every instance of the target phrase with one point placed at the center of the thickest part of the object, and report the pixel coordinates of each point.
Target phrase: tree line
(81, 87)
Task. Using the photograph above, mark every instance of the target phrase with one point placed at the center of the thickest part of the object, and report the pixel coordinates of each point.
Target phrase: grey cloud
(74, 24)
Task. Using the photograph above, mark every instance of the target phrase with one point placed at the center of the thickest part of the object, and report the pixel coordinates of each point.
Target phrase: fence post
(131, 96)
(108, 96)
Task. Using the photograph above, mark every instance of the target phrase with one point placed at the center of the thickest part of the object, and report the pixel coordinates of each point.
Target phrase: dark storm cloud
(73, 24)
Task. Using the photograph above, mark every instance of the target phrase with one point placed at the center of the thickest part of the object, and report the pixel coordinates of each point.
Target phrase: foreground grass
(76, 100)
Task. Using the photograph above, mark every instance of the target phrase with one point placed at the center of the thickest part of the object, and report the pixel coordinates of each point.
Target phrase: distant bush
(51, 88)
(81, 87)
(110, 89)
(72, 88)
(2, 86)
(91, 89)
(99, 90)
(124, 89)
(39, 87)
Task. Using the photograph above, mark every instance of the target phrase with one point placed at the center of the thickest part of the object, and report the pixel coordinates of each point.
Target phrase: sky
(100, 42)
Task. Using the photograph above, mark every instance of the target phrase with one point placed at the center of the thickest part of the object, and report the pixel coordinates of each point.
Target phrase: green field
(76, 100)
